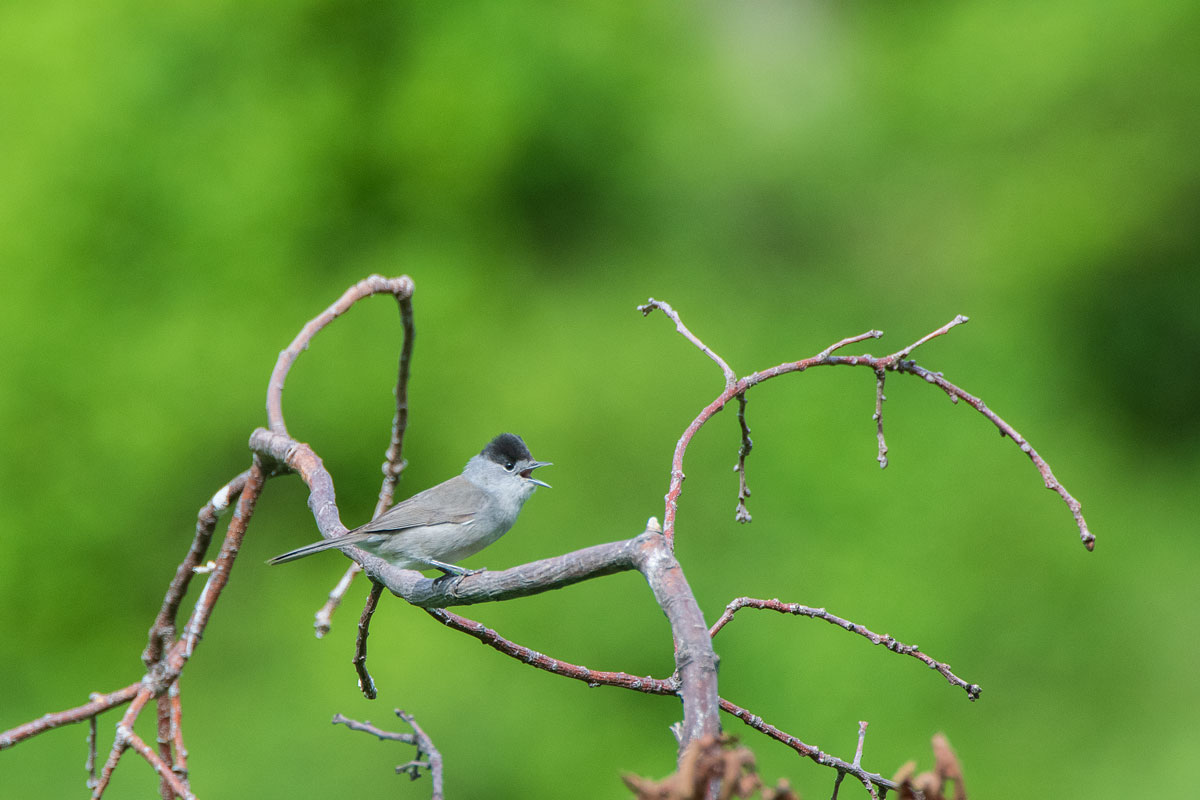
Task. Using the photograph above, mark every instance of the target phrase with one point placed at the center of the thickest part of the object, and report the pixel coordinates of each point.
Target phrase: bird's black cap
(505, 448)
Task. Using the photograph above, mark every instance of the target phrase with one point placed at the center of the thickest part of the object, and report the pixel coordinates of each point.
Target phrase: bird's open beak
(527, 473)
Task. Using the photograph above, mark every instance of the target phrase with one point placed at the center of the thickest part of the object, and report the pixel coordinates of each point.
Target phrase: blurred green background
(182, 188)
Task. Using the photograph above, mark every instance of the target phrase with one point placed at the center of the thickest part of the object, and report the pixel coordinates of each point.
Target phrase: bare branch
(959, 320)
(365, 682)
(650, 553)
(647, 553)
(162, 632)
(90, 764)
(652, 304)
(394, 463)
(556, 666)
(1086, 536)
(862, 337)
(372, 284)
(972, 689)
(160, 766)
(742, 514)
(87, 711)
(323, 619)
(424, 747)
(367, 727)
(163, 740)
(880, 377)
(427, 756)
(179, 752)
(862, 736)
(896, 361)
(869, 779)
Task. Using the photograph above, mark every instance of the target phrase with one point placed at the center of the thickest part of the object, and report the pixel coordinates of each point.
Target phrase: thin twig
(323, 620)
(367, 727)
(1085, 535)
(880, 377)
(862, 337)
(652, 304)
(556, 666)
(372, 284)
(394, 463)
(869, 779)
(135, 742)
(163, 740)
(427, 756)
(180, 753)
(426, 748)
(741, 513)
(959, 320)
(972, 689)
(97, 703)
(896, 362)
(162, 632)
(90, 764)
(365, 682)
(862, 736)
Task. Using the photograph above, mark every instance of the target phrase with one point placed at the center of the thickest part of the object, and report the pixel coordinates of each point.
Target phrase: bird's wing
(419, 510)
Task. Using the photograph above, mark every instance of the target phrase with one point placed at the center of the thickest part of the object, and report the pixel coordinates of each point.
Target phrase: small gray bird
(450, 521)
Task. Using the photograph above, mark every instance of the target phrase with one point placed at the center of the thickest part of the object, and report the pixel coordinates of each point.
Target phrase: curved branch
(1051, 482)
(972, 689)
(533, 658)
(648, 553)
(809, 751)
(652, 304)
(895, 362)
(401, 287)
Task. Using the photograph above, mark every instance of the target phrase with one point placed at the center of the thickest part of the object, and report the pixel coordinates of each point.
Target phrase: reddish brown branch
(127, 739)
(1086, 536)
(647, 553)
(162, 632)
(365, 682)
(163, 740)
(972, 689)
(179, 752)
(98, 703)
(896, 362)
(372, 284)
(164, 670)
(869, 779)
(394, 463)
(556, 666)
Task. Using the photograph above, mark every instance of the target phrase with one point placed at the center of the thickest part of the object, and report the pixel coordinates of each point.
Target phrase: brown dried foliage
(711, 761)
(933, 783)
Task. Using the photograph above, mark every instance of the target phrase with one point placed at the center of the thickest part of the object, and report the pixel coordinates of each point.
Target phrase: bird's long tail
(316, 547)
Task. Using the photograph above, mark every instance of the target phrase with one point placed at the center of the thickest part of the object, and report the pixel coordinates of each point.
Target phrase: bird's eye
(508, 465)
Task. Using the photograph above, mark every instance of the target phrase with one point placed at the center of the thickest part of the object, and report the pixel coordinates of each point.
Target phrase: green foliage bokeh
(183, 187)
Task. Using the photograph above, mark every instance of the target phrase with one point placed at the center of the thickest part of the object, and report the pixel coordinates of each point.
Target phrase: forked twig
(427, 756)
(880, 365)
